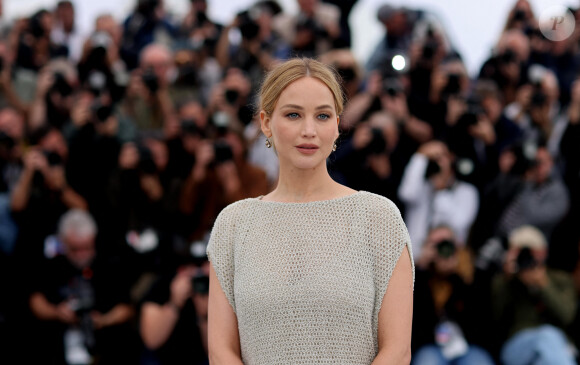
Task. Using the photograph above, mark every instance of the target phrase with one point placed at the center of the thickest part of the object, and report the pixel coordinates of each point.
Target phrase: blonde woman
(313, 272)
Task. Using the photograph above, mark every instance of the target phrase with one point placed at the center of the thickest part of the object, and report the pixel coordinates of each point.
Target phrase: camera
(232, 96)
(525, 260)
(52, 158)
(453, 85)
(35, 24)
(247, 26)
(189, 126)
(432, 169)
(60, 85)
(377, 144)
(347, 74)
(392, 86)
(446, 248)
(309, 24)
(525, 157)
(150, 80)
(519, 15)
(508, 56)
(200, 284)
(471, 116)
(101, 111)
(147, 7)
(223, 152)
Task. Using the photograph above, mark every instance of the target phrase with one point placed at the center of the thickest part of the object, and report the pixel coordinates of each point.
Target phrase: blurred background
(127, 126)
(473, 26)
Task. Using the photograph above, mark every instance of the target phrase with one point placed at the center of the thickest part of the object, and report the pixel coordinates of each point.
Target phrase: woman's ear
(265, 124)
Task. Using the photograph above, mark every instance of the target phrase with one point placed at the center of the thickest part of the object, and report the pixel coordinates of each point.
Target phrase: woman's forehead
(306, 91)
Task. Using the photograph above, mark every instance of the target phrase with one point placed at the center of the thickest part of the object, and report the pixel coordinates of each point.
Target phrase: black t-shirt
(184, 346)
(99, 287)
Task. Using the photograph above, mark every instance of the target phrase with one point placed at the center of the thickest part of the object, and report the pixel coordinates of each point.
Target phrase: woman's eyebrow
(294, 106)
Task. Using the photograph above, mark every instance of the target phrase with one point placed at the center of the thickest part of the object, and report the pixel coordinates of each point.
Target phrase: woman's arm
(223, 336)
(396, 315)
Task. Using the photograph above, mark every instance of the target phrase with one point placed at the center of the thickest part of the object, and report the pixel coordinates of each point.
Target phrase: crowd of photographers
(119, 148)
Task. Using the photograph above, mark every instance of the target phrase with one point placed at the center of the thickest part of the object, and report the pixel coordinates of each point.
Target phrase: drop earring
(334, 146)
(268, 143)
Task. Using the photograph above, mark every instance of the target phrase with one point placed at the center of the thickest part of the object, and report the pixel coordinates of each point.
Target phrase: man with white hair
(81, 303)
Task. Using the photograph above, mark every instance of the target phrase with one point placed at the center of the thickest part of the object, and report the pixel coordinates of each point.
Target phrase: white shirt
(426, 208)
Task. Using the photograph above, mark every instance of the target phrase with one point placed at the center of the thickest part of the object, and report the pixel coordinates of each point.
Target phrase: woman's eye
(324, 116)
(292, 115)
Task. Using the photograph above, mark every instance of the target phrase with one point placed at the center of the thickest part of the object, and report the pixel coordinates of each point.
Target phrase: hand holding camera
(35, 160)
(65, 314)
(181, 287)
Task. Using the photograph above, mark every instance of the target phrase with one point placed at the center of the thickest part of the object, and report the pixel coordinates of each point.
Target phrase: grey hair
(77, 222)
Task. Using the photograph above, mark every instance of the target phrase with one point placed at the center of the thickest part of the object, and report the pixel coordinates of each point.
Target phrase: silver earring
(268, 143)
(334, 146)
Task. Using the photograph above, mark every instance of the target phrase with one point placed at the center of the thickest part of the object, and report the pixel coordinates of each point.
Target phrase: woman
(300, 275)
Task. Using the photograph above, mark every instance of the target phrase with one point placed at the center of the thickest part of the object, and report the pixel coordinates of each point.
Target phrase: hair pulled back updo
(296, 68)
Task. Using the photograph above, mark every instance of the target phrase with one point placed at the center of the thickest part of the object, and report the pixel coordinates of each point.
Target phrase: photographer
(399, 24)
(173, 318)
(313, 30)
(445, 320)
(100, 66)
(141, 196)
(230, 99)
(54, 95)
(220, 175)
(365, 161)
(432, 195)
(94, 136)
(81, 303)
(42, 193)
(197, 27)
(65, 31)
(532, 303)
(148, 24)
(536, 107)
(507, 67)
(148, 100)
(260, 43)
(541, 200)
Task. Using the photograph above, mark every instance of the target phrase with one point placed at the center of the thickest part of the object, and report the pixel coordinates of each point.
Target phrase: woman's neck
(306, 185)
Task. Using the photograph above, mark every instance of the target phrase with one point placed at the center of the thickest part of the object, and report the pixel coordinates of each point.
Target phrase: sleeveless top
(306, 280)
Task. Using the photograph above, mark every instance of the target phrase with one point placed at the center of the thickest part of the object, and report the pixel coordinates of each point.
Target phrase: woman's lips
(307, 149)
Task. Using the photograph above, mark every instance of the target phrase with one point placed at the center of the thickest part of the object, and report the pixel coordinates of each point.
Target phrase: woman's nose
(308, 128)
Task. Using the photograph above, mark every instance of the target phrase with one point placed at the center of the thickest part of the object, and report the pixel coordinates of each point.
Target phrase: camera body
(377, 144)
(200, 284)
(223, 152)
(101, 111)
(60, 85)
(526, 260)
(446, 248)
(150, 80)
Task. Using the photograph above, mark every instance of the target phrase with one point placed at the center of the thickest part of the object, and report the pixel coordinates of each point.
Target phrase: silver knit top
(306, 280)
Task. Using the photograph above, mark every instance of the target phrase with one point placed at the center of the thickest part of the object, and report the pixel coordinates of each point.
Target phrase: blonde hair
(294, 69)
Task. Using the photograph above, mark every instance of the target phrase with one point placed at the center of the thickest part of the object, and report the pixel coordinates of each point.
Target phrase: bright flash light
(398, 62)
